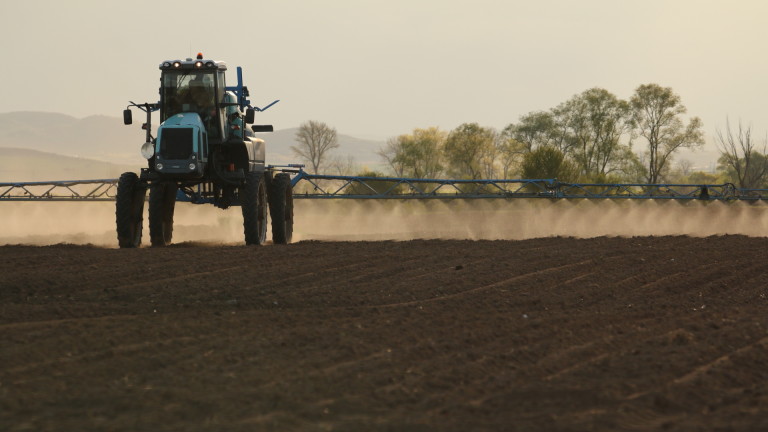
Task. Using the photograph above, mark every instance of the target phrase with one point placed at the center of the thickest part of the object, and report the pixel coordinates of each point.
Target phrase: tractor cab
(194, 87)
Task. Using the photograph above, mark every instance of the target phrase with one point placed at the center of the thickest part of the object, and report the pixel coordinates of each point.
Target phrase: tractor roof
(198, 63)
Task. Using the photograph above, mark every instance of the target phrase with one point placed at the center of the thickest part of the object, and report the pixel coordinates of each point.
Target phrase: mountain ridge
(27, 165)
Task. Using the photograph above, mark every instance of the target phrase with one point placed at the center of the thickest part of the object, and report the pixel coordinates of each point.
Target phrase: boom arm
(242, 93)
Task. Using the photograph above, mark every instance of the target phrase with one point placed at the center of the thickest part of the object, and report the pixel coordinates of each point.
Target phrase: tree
(389, 153)
(684, 166)
(469, 151)
(490, 156)
(588, 129)
(548, 162)
(754, 176)
(343, 166)
(509, 155)
(595, 121)
(740, 158)
(680, 171)
(416, 155)
(534, 130)
(315, 139)
(656, 113)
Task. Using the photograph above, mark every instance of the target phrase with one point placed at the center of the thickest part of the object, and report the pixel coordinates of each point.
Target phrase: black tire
(162, 202)
(281, 208)
(129, 210)
(253, 200)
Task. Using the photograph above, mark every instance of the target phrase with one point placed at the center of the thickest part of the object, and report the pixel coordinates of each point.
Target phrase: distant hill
(24, 165)
(107, 139)
(96, 137)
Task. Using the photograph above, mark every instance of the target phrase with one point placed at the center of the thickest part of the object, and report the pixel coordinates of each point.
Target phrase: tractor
(204, 153)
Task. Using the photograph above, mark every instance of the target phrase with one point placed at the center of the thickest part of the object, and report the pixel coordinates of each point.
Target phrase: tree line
(594, 137)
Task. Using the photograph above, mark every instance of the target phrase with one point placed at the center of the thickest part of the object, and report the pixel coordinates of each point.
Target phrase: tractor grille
(176, 143)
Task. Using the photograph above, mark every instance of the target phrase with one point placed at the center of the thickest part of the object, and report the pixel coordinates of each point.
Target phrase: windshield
(190, 91)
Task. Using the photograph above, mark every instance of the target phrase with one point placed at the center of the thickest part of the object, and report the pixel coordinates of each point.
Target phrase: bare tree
(343, 166)
(315, 139)
(390, 154)
(510, 155)
(740, 156)
(685, 166)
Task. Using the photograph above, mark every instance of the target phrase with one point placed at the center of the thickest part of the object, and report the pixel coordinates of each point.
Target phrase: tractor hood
(182, 145)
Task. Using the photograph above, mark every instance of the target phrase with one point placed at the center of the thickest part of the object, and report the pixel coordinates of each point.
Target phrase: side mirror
(249, 115)
(127, 117)
(262, 128)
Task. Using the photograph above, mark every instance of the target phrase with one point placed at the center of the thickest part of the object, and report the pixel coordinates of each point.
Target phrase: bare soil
(646, 333)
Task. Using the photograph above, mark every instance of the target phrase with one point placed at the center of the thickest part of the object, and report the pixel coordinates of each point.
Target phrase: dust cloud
(45, 223)
(517, 219)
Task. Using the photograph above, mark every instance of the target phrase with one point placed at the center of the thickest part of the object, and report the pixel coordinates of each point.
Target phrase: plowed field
(645, 333)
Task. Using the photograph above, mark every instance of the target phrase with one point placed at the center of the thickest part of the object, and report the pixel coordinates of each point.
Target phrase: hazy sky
(381, 68)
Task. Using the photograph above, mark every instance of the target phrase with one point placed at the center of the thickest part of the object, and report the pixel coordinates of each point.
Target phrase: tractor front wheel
(253, 200)
(162, 202)
(129, 210)
(281, 208)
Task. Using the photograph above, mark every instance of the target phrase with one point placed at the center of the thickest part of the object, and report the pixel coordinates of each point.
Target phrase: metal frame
(358, 187)
(725, 191)
(242, 94)
(316, 186)
(74, 190)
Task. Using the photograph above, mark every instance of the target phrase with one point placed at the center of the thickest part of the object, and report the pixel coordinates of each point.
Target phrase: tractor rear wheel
(253, 200)
(281, 208)
(129, 210)
(162, 202)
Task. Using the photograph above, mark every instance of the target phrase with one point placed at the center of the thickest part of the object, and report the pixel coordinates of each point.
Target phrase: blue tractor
(205, 153)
